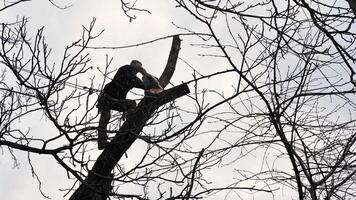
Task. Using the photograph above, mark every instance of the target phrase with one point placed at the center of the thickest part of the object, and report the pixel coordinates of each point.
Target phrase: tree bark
(97, 185)
(171, 63)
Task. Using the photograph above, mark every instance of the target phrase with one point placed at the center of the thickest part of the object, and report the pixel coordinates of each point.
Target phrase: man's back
(124, 80)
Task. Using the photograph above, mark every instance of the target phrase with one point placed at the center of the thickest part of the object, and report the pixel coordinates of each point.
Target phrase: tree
(289, 110)
(304, 101)
(97, 184)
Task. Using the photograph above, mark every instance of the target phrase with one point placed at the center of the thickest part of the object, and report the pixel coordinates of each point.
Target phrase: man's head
(137, 65)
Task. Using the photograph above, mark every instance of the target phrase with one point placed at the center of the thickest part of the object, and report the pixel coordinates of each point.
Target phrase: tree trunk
(97, 185)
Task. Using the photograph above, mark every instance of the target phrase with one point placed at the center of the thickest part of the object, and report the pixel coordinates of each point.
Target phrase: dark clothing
(105, 102)
(124, 80)
(114, 93)
(113, 97)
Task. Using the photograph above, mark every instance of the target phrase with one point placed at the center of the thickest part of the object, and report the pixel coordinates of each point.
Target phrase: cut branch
(125, 137)
(97, 185)
(171, 63)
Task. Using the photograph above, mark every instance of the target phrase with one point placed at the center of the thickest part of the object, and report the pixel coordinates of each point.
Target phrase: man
(114, 94)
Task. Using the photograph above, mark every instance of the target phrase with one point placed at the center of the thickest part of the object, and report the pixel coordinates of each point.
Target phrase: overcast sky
(63, 27)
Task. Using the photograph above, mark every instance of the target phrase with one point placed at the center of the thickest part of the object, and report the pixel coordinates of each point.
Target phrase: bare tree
(290, 107)
(31, 84)
(294, 91)
(97, 185)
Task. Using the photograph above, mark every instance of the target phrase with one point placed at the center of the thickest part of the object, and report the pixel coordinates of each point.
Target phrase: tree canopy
(258, 102)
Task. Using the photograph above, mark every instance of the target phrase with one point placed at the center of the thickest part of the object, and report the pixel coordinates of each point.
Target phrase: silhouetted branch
(97, 185)
(171, 63)
(101, 171)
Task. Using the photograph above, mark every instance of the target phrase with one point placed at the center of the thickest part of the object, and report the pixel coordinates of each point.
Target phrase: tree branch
(171, 63)
(97, 184)
(124, 138)
(32, 149)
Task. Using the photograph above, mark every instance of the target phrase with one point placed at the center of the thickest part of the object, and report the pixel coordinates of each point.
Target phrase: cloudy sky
(64, 26)
(61, 28)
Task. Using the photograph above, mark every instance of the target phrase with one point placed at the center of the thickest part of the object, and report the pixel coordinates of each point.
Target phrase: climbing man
(113, 96)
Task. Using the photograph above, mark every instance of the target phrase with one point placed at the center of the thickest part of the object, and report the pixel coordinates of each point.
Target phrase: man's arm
(151, 83)
(137, 83)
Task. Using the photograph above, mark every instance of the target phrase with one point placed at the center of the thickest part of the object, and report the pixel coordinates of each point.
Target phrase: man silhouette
(113, 96)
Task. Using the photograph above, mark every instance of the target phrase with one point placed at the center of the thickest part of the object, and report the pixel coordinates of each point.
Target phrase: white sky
(64, 26)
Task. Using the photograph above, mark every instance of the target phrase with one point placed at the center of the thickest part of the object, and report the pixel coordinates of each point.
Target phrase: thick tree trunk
(97, 185)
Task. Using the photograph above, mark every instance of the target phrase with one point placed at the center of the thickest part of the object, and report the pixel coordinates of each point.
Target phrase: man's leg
(125, 106)
(102, 135)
